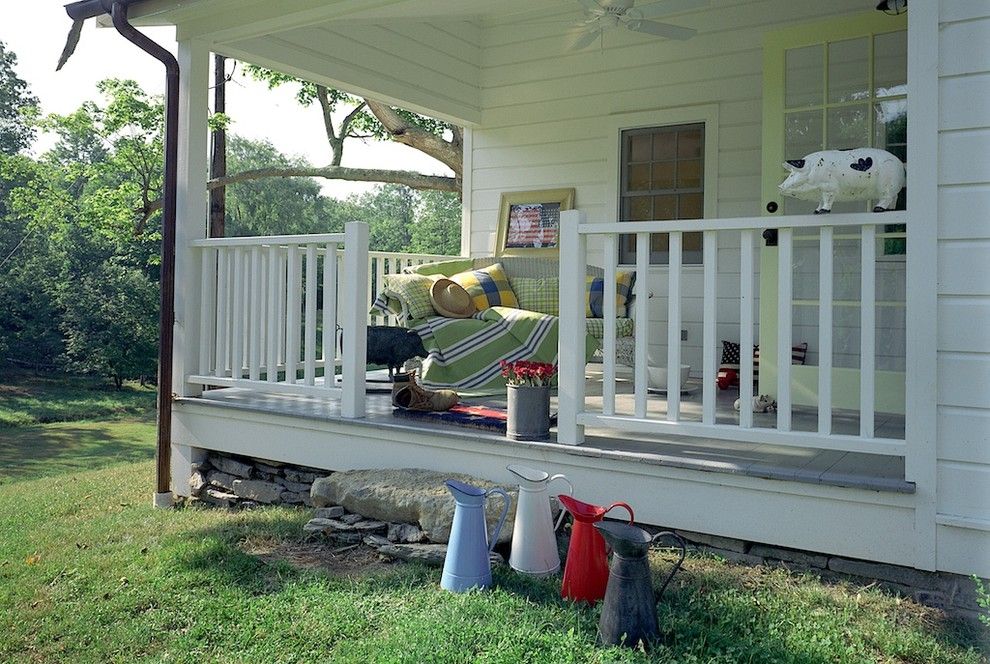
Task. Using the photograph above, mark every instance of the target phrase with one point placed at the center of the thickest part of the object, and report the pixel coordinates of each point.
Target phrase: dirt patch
(335, 559)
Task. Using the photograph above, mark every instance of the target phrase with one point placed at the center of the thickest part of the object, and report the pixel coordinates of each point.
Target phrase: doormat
(486, 418)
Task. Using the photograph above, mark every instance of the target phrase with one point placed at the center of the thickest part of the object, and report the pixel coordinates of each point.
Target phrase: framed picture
(529, 222)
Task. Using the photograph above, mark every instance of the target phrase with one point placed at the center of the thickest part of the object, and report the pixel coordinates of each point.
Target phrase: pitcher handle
(501, 520)
(570, 492)
(623, 506)
(683, 546)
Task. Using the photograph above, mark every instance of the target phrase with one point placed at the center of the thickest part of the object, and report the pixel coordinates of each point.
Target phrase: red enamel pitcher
(586, 571)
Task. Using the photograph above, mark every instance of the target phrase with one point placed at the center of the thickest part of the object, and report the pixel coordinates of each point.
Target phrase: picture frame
(529, 222)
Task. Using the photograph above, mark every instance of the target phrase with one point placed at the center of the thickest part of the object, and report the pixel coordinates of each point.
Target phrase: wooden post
(353, 294)
(218, 160)
(571, 328)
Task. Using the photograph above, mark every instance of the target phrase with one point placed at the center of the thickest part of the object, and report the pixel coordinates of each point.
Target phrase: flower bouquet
(531, 374)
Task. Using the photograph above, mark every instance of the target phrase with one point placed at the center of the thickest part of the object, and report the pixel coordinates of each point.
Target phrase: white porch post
(571, 328)
(191, 212)
(921, 371)
(354, 314)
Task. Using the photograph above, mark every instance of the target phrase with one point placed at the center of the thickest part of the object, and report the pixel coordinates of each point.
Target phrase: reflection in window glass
(803, 76)
(848, 70)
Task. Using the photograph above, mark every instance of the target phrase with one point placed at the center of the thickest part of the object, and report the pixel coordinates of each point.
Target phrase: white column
(920, 431)
(354, 312)
(571, 328)
(191, 212)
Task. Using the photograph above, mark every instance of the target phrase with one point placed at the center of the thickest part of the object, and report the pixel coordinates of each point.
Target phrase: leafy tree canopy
(16, 105)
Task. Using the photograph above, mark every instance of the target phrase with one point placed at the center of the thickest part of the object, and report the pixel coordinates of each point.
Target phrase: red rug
(487, 418)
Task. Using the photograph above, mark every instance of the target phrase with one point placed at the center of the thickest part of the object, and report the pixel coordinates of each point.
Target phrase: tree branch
(408, 178)
(408, 134)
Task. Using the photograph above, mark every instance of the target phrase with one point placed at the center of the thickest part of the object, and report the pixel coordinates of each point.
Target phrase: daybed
(520, 324)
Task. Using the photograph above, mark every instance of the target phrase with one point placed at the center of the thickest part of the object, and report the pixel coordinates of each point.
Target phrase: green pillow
(540, 294)
(413, 290)
(443, 268)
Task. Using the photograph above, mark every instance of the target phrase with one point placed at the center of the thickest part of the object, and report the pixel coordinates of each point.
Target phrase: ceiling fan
(602, 15)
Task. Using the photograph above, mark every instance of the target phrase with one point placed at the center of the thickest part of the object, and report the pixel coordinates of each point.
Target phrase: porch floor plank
(775, 462)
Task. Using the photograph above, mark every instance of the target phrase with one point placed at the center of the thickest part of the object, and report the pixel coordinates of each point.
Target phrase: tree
(16, 102)
(364, 119)
(438, 224)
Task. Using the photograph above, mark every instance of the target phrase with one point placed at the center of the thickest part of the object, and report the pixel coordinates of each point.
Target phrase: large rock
(407, 495)
(231, 466)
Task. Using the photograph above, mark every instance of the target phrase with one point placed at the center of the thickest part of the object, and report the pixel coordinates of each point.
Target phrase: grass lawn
(27, 399)
(89, 572)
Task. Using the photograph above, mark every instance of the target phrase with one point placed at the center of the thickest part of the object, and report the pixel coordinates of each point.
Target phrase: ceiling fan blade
(668, 7)
(589, 5)
(662, 29)
(583, 38)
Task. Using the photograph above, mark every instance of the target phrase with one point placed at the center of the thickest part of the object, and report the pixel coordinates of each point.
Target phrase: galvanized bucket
(528, 415)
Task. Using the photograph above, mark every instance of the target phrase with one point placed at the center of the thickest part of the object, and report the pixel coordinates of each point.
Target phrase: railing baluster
(207, 311)
(611, 259)
(746, 276)
(642, 321)
(785, 281)
(868, 321)
(330, 316)
(223, 281)
(237, 316)
(709, 323)
(309, 349)
(825, 277)
(283, 337)
(271, 366)
(254, 336)
(292, 314)
(674, 329)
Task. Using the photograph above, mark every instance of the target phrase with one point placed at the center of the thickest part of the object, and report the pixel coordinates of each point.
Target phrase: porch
(751, 459)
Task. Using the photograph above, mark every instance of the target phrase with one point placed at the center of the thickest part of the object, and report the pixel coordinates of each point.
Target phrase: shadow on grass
(48, 449)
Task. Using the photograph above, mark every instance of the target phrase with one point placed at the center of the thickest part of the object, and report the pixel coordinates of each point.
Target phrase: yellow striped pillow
(488, 287)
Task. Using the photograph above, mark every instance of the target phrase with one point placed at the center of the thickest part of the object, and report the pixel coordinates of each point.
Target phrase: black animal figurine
(392, 346)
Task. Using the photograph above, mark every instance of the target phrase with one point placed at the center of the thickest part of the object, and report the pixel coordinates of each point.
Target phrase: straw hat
(450, 299)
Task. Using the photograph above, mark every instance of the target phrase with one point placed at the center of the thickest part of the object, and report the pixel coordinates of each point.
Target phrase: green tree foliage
(16, 103)
(438, 224)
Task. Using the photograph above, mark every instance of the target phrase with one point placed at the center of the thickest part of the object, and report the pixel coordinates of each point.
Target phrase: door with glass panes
(837, 84)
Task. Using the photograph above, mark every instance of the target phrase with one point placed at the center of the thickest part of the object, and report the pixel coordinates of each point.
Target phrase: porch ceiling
(424, 55)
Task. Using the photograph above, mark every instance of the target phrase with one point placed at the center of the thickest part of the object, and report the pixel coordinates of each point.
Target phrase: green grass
(27, 399)
(90, 572)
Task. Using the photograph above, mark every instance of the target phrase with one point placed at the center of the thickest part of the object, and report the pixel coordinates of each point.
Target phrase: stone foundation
(241, 482)
(953, 593)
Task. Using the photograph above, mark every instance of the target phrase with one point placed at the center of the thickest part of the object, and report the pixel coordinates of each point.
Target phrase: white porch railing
(573, 413)
(271, 310)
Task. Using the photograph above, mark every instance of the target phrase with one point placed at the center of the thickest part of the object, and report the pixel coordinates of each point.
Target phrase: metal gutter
(117, 9)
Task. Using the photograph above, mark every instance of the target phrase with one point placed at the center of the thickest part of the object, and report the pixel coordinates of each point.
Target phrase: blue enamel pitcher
(467, 564)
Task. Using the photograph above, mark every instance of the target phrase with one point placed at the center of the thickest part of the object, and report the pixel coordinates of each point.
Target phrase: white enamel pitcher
(534, 542)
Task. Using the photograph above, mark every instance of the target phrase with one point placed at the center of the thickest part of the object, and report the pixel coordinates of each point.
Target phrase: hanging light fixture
(892, 7)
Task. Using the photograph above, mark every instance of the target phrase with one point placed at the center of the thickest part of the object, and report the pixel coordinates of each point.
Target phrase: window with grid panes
(662, 178)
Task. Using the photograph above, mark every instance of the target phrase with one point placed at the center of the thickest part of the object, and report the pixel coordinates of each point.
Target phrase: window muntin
(662, 178)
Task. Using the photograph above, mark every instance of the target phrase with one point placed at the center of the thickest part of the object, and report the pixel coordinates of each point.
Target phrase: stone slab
(789, 555)
(259, 490)
(716, 541)
(901, 575)
(334, 512)
(231, 466)
(409, 495)
(221, 480)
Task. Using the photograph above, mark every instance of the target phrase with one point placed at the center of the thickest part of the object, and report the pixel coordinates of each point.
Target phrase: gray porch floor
(846, 469)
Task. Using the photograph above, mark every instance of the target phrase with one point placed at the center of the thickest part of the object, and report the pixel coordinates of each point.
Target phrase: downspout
(118, 12)
(166, 320)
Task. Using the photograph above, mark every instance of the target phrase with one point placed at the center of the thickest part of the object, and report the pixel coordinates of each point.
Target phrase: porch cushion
(413, 291)
(595, 294)
(537, 294)
(595, 327)
(488, 287)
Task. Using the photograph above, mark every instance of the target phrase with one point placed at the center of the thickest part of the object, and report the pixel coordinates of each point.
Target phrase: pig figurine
(845, 175)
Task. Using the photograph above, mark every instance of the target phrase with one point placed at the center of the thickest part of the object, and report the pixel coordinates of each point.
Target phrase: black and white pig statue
(845, 175)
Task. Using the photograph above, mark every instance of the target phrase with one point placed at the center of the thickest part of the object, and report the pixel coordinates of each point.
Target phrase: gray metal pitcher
(629, 611)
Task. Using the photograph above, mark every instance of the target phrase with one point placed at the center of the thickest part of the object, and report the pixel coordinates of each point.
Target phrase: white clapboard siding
(963, 498)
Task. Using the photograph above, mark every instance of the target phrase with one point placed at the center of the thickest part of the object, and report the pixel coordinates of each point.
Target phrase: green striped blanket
(464, 353)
